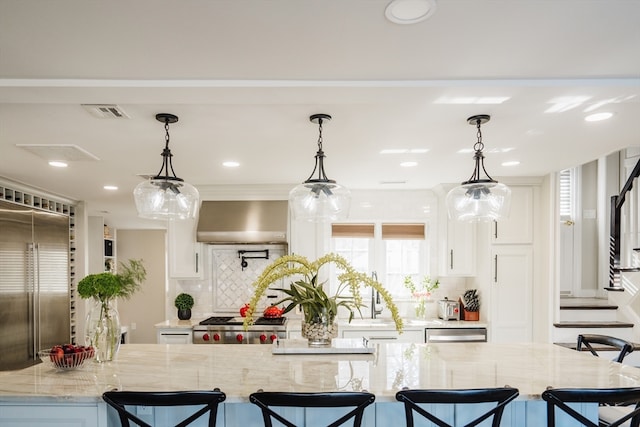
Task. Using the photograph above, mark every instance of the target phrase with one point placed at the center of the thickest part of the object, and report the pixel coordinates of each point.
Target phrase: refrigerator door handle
(36, 275)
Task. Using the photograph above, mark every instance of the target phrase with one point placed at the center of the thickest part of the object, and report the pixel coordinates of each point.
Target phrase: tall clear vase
(319, 328)
(102, 329)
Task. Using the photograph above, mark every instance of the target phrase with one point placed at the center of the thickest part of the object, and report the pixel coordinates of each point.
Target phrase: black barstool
(619, 415)
(358, 400)
(500, 396)
(624, 347)
(210, 400)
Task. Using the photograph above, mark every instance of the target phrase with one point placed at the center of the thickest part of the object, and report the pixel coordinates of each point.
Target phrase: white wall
(146, 307)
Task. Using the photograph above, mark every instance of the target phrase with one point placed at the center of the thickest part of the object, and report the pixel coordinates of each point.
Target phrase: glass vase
(102, 329)
(421, 308)
(318, 327)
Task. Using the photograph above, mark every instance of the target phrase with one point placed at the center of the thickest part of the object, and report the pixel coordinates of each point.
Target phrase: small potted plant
(184, 304)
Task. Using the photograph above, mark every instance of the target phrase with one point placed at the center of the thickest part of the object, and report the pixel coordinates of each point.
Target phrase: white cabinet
(385, 335)
(511, 293)
(460, 257)
(185, 253)
(174, 336)
(518, 227)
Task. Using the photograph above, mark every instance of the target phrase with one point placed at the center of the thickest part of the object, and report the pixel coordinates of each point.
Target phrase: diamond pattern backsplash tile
(232, 283)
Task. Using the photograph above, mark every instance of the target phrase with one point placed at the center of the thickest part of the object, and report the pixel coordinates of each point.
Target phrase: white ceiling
(244, 76)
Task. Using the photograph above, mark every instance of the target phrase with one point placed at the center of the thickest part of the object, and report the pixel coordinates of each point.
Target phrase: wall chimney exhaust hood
(243, 221)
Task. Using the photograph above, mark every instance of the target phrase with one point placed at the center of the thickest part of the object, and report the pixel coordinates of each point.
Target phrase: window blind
(403, 231)
(352, 230)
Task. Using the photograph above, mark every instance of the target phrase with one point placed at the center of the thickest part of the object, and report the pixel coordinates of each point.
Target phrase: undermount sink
(372, 322)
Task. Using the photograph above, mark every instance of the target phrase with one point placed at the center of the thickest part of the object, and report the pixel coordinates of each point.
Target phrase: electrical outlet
(144, 410)
(133, 326)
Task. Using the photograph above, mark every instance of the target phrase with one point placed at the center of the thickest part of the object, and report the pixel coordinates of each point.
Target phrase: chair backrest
(560, 397)
(210, 400)
(358, 400)
(500, 396)
(624, 347)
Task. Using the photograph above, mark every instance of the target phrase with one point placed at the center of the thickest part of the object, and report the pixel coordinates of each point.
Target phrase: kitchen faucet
(375, 298)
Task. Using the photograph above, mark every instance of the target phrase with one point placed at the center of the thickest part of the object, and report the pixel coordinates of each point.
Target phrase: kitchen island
(38, 394)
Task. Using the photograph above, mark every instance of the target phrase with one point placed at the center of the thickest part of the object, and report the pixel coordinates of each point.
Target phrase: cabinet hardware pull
(197, 264)
(451, 262)
(495, 229)
(383, 338)
(495, 269)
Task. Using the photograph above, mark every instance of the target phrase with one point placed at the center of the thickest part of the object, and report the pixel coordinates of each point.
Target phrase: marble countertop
(234, 369)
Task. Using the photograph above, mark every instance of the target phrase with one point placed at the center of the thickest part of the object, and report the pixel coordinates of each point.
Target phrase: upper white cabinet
(518, 227)
(185, 253)
(460, 256)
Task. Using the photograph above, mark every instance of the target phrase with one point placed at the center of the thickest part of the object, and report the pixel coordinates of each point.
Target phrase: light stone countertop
(239, 370)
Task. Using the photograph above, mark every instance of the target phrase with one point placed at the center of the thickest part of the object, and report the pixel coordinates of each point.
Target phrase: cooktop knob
(263, 337)
(205, 337)
(239, 337)
(216, 337)
(273, 337)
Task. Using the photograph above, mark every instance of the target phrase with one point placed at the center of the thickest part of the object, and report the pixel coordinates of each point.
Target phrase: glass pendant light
(166, 196)
(319, 199)
(479, 198)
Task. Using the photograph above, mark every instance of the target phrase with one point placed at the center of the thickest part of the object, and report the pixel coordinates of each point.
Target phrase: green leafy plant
(105, 286)
(310, 295)
(184, 302)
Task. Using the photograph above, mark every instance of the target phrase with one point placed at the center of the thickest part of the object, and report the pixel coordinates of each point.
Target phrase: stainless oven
(230, 330)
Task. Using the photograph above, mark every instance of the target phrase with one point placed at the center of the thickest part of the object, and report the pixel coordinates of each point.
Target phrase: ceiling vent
(105, 111)
(65, 152)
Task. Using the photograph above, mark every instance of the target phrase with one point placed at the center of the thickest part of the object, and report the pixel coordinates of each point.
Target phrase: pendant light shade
(166, 196)
(481, 198)
(320, 198)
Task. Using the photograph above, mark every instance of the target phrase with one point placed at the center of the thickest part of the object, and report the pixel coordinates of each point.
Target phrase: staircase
(589, 316)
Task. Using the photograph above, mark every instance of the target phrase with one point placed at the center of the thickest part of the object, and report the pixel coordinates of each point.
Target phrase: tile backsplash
(228, 285)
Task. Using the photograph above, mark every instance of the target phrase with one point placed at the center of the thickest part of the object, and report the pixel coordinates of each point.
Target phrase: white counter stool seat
(624, 347)
(358, 400)
(208, 399)
(626, 415)
(501, 396)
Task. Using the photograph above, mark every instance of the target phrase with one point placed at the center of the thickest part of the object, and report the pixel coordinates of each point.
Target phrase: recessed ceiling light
(410, 11)
(596, 117)
(511, 163)
(110, 187)
(230, 164)
(408, 164)
(58, 164)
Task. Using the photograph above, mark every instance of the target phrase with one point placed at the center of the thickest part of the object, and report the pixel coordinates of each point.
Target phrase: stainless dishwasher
(435, 335)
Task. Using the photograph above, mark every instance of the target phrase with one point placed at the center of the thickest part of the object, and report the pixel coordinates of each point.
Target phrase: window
(566, 194)
(392, 250)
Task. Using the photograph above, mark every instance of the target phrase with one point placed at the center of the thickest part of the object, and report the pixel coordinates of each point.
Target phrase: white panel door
(511, 293)
(185, 253)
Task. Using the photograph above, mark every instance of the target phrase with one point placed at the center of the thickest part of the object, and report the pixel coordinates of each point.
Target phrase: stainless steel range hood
(243, 221)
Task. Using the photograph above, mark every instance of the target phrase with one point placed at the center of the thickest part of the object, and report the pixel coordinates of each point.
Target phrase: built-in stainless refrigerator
(34, 283)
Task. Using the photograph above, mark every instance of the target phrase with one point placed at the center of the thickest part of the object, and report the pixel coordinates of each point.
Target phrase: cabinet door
(185, 254)
(175, 336)
(518, 227)
(511, 293)
(461, 249)
(57, 414)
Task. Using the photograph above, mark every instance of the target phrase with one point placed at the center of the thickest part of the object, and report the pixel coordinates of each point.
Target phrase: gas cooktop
(230, 320)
